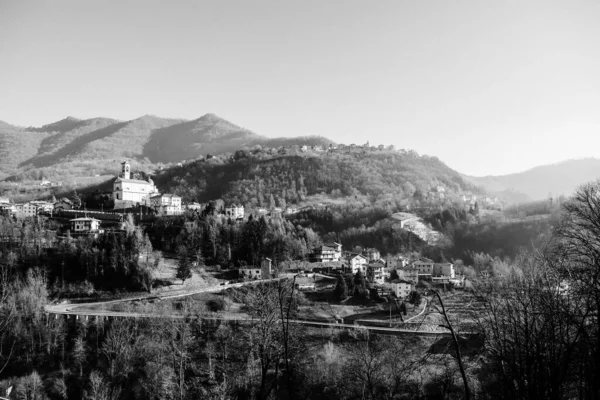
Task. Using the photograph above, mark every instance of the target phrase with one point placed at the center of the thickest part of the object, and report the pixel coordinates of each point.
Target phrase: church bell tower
(125, 170)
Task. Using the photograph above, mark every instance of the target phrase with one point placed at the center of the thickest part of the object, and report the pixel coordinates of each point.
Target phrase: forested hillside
(265, 178)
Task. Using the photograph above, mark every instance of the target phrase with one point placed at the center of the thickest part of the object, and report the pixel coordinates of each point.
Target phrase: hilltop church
(130, 192)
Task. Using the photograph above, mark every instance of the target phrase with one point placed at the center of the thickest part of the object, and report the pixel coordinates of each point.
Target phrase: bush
(216, 305)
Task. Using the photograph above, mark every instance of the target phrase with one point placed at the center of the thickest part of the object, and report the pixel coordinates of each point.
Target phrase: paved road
(100, 309)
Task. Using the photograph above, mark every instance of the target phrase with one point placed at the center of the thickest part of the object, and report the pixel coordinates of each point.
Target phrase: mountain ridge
(83, 147)
(560, 178)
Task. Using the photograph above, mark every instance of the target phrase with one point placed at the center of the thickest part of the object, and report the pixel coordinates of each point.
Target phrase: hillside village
(132, 195)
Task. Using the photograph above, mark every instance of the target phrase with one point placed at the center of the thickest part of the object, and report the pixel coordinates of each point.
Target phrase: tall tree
(184, 265)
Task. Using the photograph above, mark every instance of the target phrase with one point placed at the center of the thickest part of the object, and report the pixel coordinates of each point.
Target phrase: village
(395, 275)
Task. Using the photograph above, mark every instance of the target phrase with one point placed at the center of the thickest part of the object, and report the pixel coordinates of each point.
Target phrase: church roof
(132, 181)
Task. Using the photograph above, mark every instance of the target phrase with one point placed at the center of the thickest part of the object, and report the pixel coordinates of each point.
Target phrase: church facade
(130, 192)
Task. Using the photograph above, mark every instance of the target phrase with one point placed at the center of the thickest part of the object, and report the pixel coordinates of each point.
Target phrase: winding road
(101, 310)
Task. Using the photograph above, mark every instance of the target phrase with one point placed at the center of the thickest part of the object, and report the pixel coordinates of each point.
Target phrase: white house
(401, 288)
(355, 263)
(372, 254)
(168, 204)
(235, 211)
(338, 250)
(133, 191)
(85, 225)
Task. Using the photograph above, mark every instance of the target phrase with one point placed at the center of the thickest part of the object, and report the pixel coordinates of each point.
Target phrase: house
(381, 261)
(250, 273)
(265, 271)
(355, 263)
(401, 288)
(127, 191)
(291, 210)
(305, 286)
(4, 200)
(276, 212)
(375, 273)
(372, 254)
(324, 254)
(262, 211)
(194, 206)
(63, 204)
(304, 148)
(403, 261)
(26, 210)
(8, 209)
(443, 269)
(424, 266)
(458, 282)
(409, 274)
(440, 280)
(338, 249)
(85, 225)
(235, 211)
(45, 182)
(167, 204)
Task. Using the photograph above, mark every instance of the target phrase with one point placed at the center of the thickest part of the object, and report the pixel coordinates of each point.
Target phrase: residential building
(63, 204)
(401, 288)
(235, 211)
(375, 273)
(403, 261)
(167, 204)
(4, 200)
(380, 261)
(194, 206)
(265, 271)
(424, 266)
(85, 225)
(28, 210)
(355, 263)
(8, 209)
(409, 274)
(372, 254)
(44, 207)
(127, 191)
(324, 254)
(443, 269)
(250, 273)
(305, 286)
(291, 210)
(338, 250)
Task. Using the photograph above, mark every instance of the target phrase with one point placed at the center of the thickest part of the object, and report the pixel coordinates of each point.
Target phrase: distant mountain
(75, 147)
(191, 139)
(537, 183)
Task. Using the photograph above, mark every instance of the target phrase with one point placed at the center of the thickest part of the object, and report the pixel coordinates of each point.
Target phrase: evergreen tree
(360, 284)
(341, 289)
(184, 267)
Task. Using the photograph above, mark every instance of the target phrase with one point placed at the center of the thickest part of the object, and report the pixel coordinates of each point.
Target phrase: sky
(489, 87)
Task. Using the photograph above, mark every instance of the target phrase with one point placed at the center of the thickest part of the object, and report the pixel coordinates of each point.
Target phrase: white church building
(130, 192)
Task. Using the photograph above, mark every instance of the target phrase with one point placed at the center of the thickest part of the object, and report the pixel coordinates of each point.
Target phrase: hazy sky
(489, 87)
